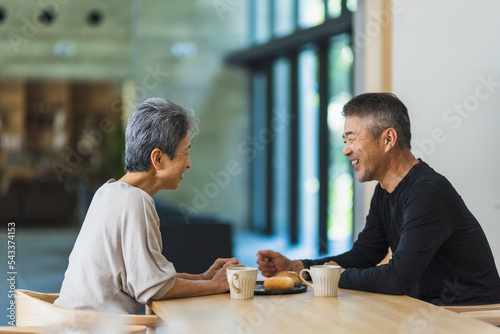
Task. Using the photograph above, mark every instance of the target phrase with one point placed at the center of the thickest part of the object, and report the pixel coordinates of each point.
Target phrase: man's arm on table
(370, 248)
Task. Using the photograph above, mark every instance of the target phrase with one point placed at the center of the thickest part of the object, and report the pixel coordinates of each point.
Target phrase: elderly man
(117, 256)
(440, 253)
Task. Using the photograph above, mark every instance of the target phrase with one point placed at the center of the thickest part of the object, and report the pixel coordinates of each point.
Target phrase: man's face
(364, 152)
(174, 169)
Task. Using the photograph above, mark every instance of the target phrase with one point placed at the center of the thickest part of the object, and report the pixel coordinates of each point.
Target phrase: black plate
(259, 289)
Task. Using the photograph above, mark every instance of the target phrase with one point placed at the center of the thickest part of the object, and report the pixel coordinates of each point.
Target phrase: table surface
(350, 312)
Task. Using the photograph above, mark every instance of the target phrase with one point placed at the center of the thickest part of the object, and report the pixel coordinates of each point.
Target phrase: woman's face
(173, 170)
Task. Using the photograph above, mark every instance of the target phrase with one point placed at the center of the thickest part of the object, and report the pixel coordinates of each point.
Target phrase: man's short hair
(382, 111)
(156, 123)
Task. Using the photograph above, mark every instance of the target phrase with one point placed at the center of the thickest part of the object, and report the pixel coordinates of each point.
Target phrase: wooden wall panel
(48, 110)
(12, 119)
(12, 107)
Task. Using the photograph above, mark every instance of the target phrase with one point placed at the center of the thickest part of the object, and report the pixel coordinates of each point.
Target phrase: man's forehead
(351, 124)
(354, 126)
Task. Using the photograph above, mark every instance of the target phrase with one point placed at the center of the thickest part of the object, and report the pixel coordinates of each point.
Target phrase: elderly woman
(117, 256)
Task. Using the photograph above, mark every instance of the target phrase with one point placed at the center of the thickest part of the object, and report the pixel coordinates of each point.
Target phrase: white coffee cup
(241, 282)
(325, 280)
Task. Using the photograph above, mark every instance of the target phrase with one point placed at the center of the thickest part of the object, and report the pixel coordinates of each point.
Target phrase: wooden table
(351, 312)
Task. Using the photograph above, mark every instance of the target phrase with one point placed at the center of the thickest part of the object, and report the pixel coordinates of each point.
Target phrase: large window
(300, 65)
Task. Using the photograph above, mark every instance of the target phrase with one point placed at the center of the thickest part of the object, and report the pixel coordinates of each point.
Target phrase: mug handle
(303, 280)
(235, 277)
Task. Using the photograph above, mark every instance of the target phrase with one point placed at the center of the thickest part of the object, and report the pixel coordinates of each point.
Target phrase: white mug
(325, 280)
(241, 282)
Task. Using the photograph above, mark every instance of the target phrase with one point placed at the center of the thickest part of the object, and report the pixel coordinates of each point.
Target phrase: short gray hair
(156, 123)
(382, 110)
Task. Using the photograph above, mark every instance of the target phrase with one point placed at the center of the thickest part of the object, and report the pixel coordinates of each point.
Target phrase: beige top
(117, 255)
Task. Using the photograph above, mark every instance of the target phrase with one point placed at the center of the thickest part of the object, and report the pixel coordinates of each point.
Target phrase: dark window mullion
(324, 163)
(294, 149)
(269, 228)
(258, 153)
(251, 131)
(343, 4)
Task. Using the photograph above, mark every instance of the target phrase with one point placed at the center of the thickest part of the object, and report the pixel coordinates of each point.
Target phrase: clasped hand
(219, 268)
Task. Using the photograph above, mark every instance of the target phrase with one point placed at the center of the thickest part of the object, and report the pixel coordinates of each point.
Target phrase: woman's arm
(211, 272)
(200, 287)
(190, 277)
(192, 288)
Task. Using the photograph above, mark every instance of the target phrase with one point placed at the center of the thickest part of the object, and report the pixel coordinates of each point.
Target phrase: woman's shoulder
(124, 193)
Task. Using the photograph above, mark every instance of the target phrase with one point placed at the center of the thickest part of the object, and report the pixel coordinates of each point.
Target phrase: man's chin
(363, 178)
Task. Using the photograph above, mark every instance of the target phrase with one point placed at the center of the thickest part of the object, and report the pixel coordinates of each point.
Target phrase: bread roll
(292, 274)
(279, 284)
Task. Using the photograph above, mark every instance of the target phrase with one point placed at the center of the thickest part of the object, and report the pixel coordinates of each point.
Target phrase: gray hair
(156, 123)
(383, 111)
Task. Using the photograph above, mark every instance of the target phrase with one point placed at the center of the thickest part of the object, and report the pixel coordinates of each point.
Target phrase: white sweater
(117, 256)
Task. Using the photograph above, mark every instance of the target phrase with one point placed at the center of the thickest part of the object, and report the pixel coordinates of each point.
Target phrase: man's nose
(347, 149)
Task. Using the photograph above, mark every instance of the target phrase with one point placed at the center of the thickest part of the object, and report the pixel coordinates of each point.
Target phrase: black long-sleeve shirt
(440, 252)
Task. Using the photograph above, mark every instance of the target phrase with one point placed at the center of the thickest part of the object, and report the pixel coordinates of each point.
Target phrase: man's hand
(333, 263)
(271, 262)
(217, 266)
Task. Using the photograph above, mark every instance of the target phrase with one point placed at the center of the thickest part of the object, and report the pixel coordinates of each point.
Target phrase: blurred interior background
(267, 80)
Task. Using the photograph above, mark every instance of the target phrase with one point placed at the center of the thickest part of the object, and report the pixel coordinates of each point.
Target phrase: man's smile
(355, 163)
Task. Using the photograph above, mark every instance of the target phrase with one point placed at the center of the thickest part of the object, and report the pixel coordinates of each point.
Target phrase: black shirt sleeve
(369, 249)
(426, 226)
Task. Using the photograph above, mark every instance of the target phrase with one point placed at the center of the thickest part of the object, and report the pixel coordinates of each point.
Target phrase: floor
(41, 257)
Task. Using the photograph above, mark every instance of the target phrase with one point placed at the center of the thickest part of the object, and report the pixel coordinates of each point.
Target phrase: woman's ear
(156, 159)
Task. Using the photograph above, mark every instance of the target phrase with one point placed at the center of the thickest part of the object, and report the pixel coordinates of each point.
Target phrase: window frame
(260, 58)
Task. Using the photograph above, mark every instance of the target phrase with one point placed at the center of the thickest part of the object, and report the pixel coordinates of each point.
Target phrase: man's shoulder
(427, 182)
(426, 175)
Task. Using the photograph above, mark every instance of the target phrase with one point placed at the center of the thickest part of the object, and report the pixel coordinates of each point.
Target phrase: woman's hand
(218, 265)
(220, 277)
